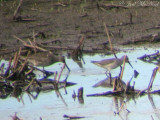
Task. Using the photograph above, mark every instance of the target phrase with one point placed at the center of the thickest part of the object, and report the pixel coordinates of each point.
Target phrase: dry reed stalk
(78, 50)
(115, 84)
(61, 72)
(24, 63)
(30, 46)
(14, 61)
(55, 77)
(30, 71)
(127, 87)
(109, 39)
(17, 10)
(122, 106)
(24, 43)
(152, 79)
(29, 85)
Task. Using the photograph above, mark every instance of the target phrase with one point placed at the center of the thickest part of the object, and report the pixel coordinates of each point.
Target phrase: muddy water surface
(50, 106)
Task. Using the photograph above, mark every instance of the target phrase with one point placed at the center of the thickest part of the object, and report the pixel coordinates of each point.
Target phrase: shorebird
(112, 63)
(45, 59)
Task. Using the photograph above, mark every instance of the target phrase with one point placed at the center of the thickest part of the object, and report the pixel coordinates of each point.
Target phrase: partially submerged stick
(152, 79)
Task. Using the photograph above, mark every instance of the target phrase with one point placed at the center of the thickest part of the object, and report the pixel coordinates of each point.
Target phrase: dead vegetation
(20, 71)
(19, 75)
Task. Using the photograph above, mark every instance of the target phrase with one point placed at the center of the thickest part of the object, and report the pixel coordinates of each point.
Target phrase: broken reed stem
(24, 63)
(30, 46)
(114, 84)
(62, 98)
(34, 41)
(124, 61)
(152, 79)
(110, 43)
(141, 92)
(14, 61)
(120, 108)
(24, 43)
(30, 71)
(127, 87)
(80, 92)
(150, 83)
(61, 72)
(55, 77)
(29, 85)
(81, 42)
(76, 52)
(18, 8)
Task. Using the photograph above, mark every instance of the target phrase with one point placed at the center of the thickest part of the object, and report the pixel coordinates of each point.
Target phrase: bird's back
(109, 64)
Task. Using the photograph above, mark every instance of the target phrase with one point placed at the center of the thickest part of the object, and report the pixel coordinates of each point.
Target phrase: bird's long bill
(67, 67)
(130, 64)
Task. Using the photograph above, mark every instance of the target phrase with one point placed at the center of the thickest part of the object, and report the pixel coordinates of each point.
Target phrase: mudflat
(62, 23)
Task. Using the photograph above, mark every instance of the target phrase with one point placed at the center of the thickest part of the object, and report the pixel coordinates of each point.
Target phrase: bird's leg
(106, 74)
(110, 78)
(120, 71)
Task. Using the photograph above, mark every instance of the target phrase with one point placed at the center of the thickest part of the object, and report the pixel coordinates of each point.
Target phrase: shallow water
(48, 106)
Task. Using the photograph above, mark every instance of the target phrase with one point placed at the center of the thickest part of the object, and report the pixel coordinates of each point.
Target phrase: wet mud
(61, 24)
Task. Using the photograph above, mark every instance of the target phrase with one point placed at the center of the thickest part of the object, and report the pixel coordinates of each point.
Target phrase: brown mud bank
(61, 24)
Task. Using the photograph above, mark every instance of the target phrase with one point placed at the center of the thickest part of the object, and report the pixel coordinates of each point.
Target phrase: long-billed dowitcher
(112, 63)
(45, 59)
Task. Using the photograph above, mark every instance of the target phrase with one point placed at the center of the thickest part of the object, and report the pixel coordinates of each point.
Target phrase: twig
(30, 71)
(14, 61)
(106, 93)
(22, 67)
(72, 117)
(15, 117)
(120, 108)
(152, 79)
(55, 76)
(29, 85)
(80, 92)
(141, 92)
(18, 8)
(30, 46)
(131, 18)
(24, 43)
(114, 84)
(110, 43)
(61, 73)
